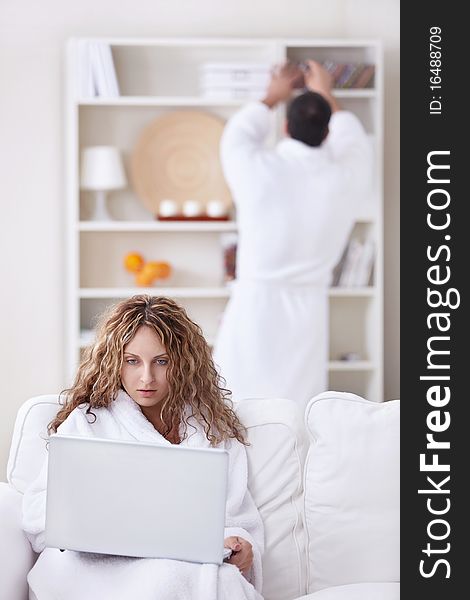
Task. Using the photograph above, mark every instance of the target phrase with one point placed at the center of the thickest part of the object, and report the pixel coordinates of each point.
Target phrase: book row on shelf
(355, 268)
(350, 75)
(217, 80)
(97, 75)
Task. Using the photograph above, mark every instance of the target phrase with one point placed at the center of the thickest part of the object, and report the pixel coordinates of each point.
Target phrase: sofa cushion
(276, 455)
(358, 591)
(28, 445)
(351, 498)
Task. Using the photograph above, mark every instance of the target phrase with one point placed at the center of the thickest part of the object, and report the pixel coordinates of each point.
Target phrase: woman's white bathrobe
(295, 208)
(81, 576)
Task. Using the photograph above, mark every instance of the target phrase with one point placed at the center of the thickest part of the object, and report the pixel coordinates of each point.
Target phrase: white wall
(32, 37)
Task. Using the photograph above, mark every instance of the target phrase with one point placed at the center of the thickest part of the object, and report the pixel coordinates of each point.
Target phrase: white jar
(192, 208)
(216, 208)
(167, 208)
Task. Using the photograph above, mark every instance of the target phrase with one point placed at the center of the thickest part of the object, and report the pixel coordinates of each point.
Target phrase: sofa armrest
(16, 554)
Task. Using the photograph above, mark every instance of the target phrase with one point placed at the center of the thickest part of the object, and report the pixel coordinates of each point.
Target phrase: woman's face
(144, 368)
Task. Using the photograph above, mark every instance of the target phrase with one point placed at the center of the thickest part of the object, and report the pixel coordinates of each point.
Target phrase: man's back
(295, 203)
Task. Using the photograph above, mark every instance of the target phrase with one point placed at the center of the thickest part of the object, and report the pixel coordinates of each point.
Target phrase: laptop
(136, 499)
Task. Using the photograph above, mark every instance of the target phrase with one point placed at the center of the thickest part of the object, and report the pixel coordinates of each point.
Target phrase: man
(295, 209)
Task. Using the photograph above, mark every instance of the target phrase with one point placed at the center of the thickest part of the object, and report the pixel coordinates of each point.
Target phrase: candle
(167, 208)
(192, 208)
(216, 208)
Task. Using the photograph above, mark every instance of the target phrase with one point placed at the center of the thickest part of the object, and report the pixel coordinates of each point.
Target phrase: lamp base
(101, 212)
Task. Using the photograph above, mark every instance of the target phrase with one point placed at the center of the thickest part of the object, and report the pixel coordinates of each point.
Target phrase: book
(235, 93)
(339, 267)
(365, 78)
(234, 79)
(341, 81)
(102, 67)
(109, 71)
(336, 69)
(364, 266)
(348, 272)
(355, 267)
(86, 83)
(229, 67)
(354, 74)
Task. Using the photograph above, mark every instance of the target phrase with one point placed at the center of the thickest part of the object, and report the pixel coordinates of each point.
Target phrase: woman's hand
(242, 553)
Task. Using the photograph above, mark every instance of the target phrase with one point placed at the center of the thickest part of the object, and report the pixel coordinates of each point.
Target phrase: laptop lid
(136, 499)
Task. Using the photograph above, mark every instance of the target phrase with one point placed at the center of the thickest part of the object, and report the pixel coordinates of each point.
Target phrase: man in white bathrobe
(295, 209)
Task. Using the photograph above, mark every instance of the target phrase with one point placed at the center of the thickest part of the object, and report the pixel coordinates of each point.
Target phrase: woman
(149, 376)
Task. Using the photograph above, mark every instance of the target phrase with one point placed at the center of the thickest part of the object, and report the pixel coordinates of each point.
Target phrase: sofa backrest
(351, 491)
(28, 446)
(276, 456)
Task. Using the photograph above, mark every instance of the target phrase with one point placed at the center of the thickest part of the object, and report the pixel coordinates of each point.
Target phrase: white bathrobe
(295, 208)
(81, 576)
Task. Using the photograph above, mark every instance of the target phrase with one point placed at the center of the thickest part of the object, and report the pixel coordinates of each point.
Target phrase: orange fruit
(133, 262)
(158, 269)
(144, 278)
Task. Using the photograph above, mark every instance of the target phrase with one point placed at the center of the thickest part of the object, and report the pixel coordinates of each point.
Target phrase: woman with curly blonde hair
(149, 376)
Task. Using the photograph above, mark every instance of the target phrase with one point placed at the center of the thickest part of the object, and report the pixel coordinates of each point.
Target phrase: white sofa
(328, 494)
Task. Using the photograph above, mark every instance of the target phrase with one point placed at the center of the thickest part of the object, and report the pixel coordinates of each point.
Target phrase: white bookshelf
(159, 75)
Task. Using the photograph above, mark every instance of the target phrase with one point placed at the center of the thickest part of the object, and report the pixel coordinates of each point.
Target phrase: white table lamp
(101, 171)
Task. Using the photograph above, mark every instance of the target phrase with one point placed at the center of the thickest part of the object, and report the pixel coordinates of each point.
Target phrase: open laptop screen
(136, 499)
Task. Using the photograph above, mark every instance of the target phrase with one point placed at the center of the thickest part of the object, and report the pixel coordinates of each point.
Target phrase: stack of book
(97, 75)
(350, 75)
(232, 81)
(356, 265)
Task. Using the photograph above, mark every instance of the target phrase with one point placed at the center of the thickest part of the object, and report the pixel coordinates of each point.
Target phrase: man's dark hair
(308, 116)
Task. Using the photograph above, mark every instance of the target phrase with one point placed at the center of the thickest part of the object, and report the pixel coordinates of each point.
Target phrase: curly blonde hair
(192, 378)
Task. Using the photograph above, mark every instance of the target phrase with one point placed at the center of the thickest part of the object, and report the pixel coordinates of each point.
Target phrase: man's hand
(319, 80)
(242, 553)
(284, 79)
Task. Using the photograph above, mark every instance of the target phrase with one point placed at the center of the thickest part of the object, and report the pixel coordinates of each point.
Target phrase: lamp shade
(102, 169)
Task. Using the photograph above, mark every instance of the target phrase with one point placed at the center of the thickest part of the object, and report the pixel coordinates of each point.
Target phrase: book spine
(86, 84)
(357, 70)
(351, 262)
(365, 78)
(365, 265)
(345, 75)
(109, 71)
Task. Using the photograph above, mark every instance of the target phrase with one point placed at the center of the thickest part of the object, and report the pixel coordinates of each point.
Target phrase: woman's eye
(162, 361)
(131, 361)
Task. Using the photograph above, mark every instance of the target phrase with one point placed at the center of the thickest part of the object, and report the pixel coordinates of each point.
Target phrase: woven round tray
(177, 157)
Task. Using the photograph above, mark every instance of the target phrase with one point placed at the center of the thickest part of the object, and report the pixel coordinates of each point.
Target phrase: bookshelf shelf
(357, 365)
(156, 226)
(345, 94)
(165, 101)
(158, 75)
(351, 292)
(196, 101)
(172, 292)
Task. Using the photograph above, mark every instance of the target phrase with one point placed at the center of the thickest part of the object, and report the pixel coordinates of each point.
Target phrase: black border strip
(434, 134)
